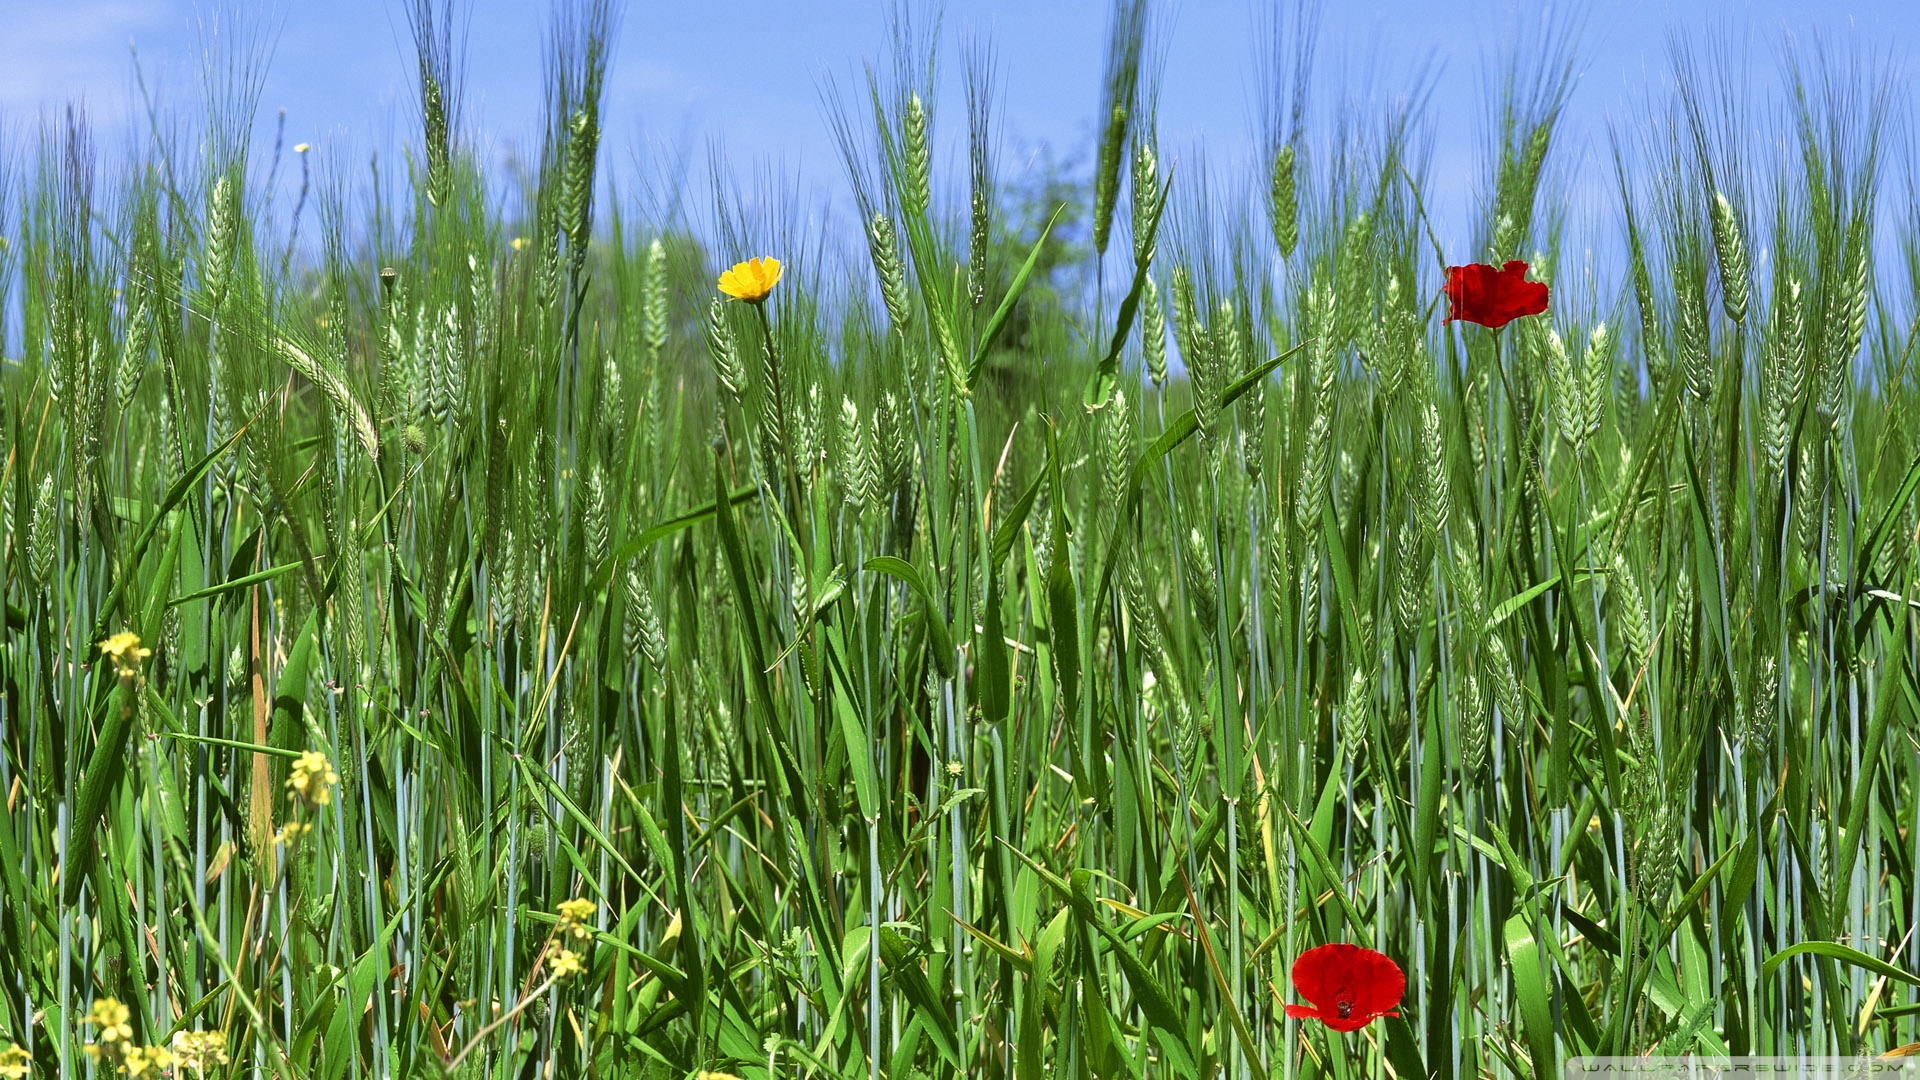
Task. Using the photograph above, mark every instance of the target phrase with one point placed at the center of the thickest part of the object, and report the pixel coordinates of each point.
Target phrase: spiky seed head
(1691, 340)
(1566, 391)
(133, 356)
(1506, 684)
(1202, 588)
(1106, 178)
(1153, 332)
(1283, 201)
(919, 183)
(1473, 706)
(1436, 500)
(43, 539)
(642, 632)
(1595, 368)
(1786, 373)
(1730, 248)
(883, 244)
(1146, 192)
(1353, 713)
(223, 226)
(576, 191)
(720, 350)
(654, 302)
(1118, 447)
(596, 515)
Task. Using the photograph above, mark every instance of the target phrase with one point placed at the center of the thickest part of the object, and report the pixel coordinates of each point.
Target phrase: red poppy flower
(1350, 986)
(1493, 298)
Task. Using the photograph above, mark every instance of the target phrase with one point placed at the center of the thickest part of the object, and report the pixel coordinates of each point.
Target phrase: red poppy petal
(1303, 1012)
(1478, 293)
(1380, 983)
(1318, 973)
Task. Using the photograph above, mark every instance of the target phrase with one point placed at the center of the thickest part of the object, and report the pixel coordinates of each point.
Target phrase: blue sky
(748, 72)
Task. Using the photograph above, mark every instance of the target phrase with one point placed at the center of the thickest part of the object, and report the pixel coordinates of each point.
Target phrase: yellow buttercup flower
(14, 1062)
(752, 280)
(566, 962)
(124, 650)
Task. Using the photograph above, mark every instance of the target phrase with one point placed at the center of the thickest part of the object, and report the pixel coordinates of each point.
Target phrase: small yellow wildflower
(300, 148)
(199, 1049)
(313, 779)
(14, 1062)
(154, 1059)
(574, 915)
(518, 243)
(292, 832)
(955, 769)
(111, 1018)
(752, 280)
(124, 650)
(566, 962)
(705, 1075)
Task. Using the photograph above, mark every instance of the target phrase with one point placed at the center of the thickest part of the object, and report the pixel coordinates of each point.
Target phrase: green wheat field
(1004, 649)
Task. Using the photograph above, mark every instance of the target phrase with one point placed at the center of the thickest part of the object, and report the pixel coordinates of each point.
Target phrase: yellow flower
(300, 148)
(705, 1075)
(154, 1058)
(751, 281)
(566, 962)
(519, 243)
(111, 1018)
(13, 1062)
(313, 779)
(573, 917)
(124, 650)
(292, 832)
(199, 1049)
